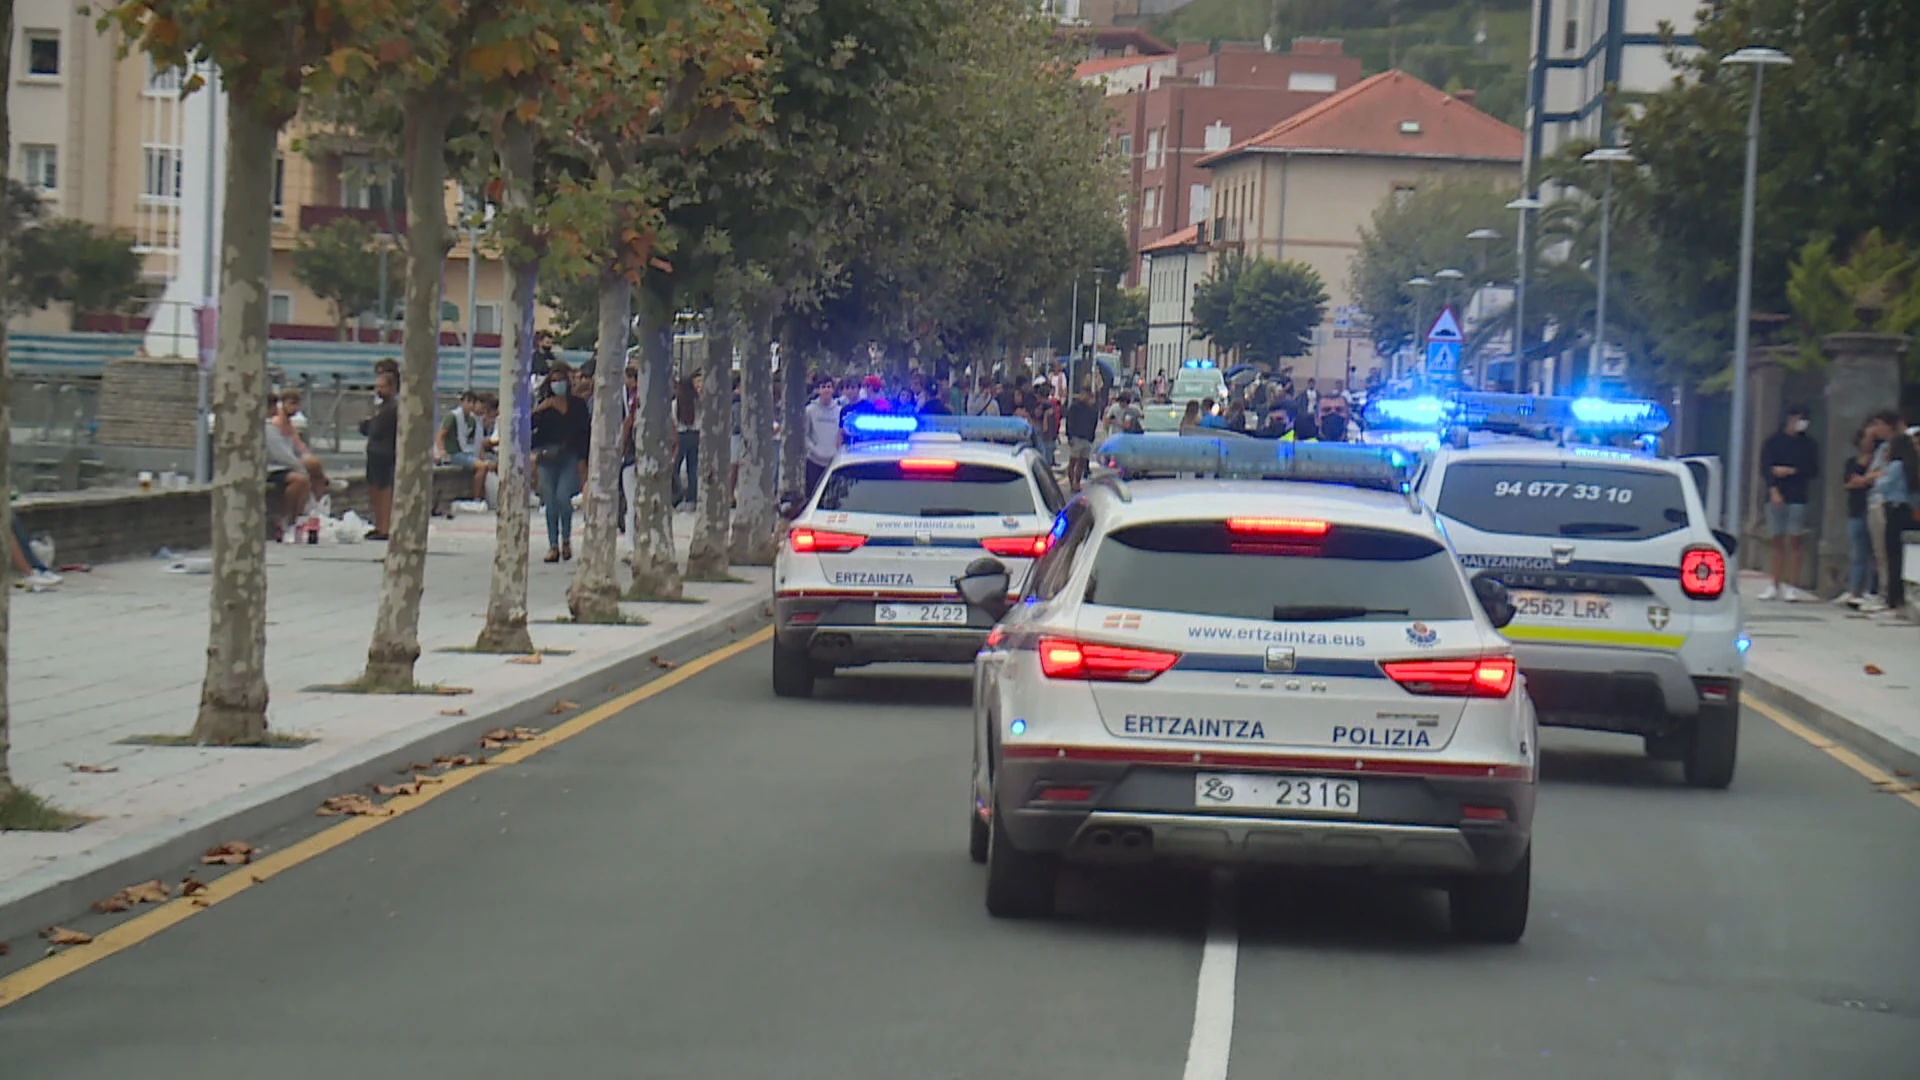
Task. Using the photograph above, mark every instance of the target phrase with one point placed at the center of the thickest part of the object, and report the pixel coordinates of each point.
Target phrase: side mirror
(1494, 600)
(984, 586)
(1727, 541)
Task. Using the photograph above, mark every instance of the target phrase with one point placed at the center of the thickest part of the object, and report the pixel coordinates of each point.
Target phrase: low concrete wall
(100, 526)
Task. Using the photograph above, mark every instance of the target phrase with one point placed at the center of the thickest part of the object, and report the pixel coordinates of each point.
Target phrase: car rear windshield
(882, 487)
(1350, 574)
(1575, 499)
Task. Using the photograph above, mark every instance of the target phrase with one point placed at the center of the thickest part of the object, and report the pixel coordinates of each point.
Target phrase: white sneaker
(1846, 599)
(1872, 605)
(1792, 595)
(42, 579)
(1771, 592)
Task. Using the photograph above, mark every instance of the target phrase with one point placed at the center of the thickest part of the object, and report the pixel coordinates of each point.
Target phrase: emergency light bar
(1383, 468)
(868, 426)
(1520, 413)
(1198, 364)
(1407, 414)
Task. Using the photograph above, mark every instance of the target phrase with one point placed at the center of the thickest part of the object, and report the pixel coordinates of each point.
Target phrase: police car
(1627, 617)
(1197, 380)
(866, 571)
(1272, 659)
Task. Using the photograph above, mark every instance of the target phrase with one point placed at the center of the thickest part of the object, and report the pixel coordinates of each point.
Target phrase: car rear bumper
(839, 631)
(1405, 824)
(1633, 691)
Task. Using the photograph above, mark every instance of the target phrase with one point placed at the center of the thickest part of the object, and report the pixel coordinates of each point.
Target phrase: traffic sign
(1443, 357)
(1446, 328)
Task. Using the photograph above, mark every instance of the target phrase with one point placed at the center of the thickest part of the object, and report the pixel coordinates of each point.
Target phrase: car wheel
(1019, 883)
(1713, 747)
(1493, 908)
(979, 837)
(792, 672)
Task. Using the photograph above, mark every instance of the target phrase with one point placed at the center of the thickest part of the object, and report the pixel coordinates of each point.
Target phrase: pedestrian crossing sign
(1443, 357)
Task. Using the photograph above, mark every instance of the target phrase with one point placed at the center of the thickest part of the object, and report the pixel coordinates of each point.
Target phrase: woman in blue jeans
(561, 427)
(1863, 580)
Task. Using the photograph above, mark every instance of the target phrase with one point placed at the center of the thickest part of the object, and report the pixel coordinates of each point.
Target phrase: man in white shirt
(823, 430)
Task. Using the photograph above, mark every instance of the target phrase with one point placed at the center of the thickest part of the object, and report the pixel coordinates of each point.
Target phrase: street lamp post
(1608, 156)
(1419, 285)
(1523, 205)
(1759, 59)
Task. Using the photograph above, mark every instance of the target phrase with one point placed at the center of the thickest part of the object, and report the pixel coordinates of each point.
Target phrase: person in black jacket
(1789, 460)
(562, 424)
(382, 430)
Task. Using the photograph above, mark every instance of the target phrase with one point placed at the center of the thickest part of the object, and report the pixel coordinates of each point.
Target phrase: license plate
(920, 614)
(1277, 792)
(1559, 607)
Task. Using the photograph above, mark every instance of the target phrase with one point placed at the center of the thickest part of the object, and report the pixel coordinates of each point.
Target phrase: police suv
(1627, 617)
(866, 571)
(1241, 651)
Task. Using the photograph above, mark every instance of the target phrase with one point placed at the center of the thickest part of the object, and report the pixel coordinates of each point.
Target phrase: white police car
(1220, 668)
(866, 571)
(1627, 618)
(1197, 380)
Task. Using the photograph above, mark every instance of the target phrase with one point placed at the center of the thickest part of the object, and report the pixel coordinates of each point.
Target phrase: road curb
(45, 896)
(1829, 717)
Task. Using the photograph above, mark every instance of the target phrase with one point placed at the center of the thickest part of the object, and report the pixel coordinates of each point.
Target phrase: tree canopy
(1263, 309)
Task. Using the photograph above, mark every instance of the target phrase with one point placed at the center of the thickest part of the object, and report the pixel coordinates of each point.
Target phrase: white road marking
(1211, 1045)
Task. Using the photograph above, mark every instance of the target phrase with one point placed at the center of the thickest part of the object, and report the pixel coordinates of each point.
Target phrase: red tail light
(811, 541)
(1277, 526)
(927, 465)
(1019, 547)
(1063, 658)
(1703, 573)
(1489, 676)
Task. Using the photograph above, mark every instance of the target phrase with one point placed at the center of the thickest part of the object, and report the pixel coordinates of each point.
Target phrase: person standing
(1894, 482)
(823, 431)
(1863, 580)
(629, 456)
(382, 430)
(1082, 423)
(1789, 460)
(561, 428)
(686, 447)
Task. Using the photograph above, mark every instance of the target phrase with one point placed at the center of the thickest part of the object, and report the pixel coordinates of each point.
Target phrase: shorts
(461, 460)
(1079, 449)
(737, 448)
(1786, 519)
(380, 471)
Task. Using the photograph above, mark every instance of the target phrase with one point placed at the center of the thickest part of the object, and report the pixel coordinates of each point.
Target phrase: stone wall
(149, 403)
(97, 527)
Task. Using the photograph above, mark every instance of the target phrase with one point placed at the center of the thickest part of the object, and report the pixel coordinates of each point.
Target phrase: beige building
(104, 139)
(1306, 187)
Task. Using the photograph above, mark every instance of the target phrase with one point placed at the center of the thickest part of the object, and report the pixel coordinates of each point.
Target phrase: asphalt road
(714, 885)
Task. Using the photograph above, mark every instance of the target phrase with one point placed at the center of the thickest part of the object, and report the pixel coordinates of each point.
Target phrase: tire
(1019, 883)
(1493, 909)
(792, 672)
(1713, 746)
(979, 838)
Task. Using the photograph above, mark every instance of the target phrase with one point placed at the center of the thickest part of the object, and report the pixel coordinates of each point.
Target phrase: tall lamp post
(1608, 156)
(1486, 237)
(1759, 59)
(1419, 285)
(1523, 205)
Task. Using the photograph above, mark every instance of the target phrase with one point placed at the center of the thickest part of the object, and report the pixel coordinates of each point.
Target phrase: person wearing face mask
(1789, 460)
(560, 431)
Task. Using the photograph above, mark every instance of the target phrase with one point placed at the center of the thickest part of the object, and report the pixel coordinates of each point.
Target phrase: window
(1219, 136)
(279, 187)
(279, 308)
(486, 318)
(1312, 82)
(1573, 501)
(162, 80)
(1155, 154)
(1402, 194)
(1150, 208)
(162, 181)
(1204, 568)
(367, 186)
(40, 167)
(967, 491)
(1126, 146)
(43, 54)
(1199, 203)
(1572, 40)
(1052, 571)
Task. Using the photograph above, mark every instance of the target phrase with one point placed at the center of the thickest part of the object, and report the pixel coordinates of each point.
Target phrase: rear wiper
(1327, 612)
(1596, 528)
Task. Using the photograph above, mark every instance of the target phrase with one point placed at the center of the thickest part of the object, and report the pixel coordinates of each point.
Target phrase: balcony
(313, 217)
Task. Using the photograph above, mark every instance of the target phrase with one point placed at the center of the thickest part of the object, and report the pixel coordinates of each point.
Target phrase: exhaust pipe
(1101, 838)
(1133, 840)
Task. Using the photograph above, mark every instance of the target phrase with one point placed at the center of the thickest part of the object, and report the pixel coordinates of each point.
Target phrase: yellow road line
(42, 974)
(1874, 773)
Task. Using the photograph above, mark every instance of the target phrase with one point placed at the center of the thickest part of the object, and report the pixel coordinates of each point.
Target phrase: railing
(55, 410)
(314, 217)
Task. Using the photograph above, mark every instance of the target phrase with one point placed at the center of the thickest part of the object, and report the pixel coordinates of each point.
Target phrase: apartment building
(1581, 49)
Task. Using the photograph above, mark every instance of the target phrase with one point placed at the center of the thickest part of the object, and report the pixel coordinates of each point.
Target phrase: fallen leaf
(666, 665)
(498, 734)
(1901, 772)
(201, 901)
(192, 886)
(561, 706)
(112, 904)
(416, 767)
(60, 935)
(258, 880)
(492, 744)
(147, 892)
(353, 805)
(614, 689)
(396, 789)
(1874, 669)
(231, 853)
(453, 712)
(456, 761)
(525, 733)
(530, 658)
(419, 779)
(92, 768)
(5, 948)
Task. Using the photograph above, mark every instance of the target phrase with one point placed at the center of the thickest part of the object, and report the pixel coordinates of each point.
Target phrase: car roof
(965, 451)
(1542, 452)
(1168, 500)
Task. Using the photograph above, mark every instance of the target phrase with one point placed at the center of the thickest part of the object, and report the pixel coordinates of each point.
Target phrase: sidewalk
(120, 652)
(1812, 658)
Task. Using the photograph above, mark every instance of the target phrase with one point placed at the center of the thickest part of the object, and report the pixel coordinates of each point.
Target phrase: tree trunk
(396, 629)
(506, 627)
(6, 416)
(656, 567)
(793, 421)
(594, 596)
(753, 540)
(233, 696)
(707, 556)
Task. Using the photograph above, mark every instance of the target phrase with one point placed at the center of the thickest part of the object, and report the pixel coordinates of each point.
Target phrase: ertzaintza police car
(1222, 670)
(1627, 617)
(866, 572)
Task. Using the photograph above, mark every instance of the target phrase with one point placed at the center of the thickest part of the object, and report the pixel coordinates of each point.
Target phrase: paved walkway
(120, 652)
(1821, 660)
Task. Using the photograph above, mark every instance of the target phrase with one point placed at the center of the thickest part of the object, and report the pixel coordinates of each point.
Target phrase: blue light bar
(1384, 468)
(1585, 414)
(1404, 414)
(1635, 416)
(864, 426)
(871, 424)
(1198, 364)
